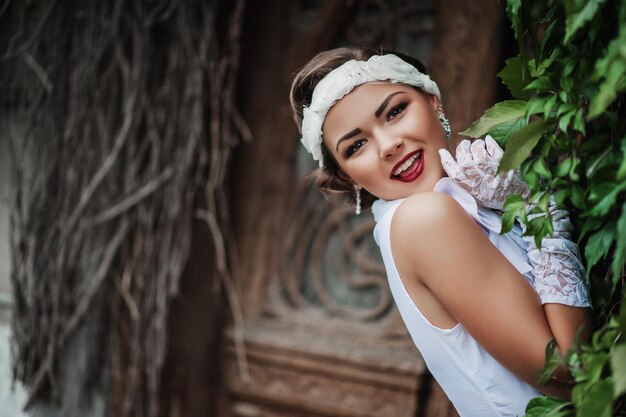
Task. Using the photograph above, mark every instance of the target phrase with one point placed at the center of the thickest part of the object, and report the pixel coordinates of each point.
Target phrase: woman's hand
(557, 268)
(475, 170)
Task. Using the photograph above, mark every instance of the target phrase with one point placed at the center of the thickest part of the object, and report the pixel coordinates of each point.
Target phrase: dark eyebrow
(384, 104)
(347, 136)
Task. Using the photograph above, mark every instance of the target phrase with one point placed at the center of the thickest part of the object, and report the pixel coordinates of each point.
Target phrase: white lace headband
(343, 79)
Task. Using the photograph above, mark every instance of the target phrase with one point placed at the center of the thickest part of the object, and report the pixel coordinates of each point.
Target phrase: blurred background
(161, 253)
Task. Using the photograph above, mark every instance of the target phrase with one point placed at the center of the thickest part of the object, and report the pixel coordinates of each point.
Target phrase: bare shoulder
(422, 224)
(427, 211)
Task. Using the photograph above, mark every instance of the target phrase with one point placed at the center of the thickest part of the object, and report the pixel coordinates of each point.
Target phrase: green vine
(566, 130)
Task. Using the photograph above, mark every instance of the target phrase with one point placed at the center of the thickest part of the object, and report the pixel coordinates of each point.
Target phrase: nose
(390, 145)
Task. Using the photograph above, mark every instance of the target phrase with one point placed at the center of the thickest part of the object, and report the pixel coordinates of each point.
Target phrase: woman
(376, 127)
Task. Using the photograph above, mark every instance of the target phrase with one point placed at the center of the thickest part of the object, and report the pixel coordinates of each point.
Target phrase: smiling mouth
(410, 168)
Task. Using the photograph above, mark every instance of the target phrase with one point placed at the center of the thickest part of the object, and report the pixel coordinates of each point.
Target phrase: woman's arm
(558, 279)
(435, 242)
(556, 267)
(565, 322)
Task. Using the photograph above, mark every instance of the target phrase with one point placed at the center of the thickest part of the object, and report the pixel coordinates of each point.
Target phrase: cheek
(363, 169)
(436, 135)
(421, 124)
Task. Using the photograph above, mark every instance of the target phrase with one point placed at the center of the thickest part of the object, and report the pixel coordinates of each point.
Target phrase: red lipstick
(413, 171)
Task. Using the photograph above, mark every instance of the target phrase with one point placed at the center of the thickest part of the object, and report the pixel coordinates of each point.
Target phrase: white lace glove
(557, 269)
(475, 170)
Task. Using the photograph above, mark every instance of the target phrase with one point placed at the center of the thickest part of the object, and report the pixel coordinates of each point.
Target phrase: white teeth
(407, 163)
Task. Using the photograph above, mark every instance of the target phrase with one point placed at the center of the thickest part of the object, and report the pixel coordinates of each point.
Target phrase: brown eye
(355, 146)
(395, 111)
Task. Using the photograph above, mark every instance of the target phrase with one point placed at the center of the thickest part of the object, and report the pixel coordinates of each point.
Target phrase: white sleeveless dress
(476, 384)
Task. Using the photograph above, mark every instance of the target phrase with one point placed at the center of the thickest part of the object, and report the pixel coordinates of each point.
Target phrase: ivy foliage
(565, 130)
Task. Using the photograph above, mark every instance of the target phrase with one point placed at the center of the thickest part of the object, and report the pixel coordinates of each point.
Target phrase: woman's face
(385, 137)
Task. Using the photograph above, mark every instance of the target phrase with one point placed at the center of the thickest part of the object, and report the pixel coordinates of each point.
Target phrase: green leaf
(598, 245)
(532, 179)
(546, 63)
(565, 119)
(598, 400)
(553, 359)
(532, 67)
(566, 107)
(618, 366)
(553, 33)
(579, 122)
(563, 168)
(611, 67)
(521, 144)
(569, 63)
(515, 76)
(608, 89)
(605, 203)
(577, 17)
(514, 206)
(541, 85)
(593, 223)
(536, 104)
(578, 197)
(550, 104)
(595, 362)
(547, 407)
(595, 164)
(621, 319)
(540, 227)
(620, 249)
(578, 394)
(542, 169)
(544, 202)
(502, 112)
(513, 9)
(560, 196)
(503, 131)
(621, 171)
(508, 220)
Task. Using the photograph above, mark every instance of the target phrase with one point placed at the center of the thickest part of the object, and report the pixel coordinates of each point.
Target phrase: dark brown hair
(328, 177)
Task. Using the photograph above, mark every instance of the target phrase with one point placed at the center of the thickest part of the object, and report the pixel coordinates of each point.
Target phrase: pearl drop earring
(357, 205)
